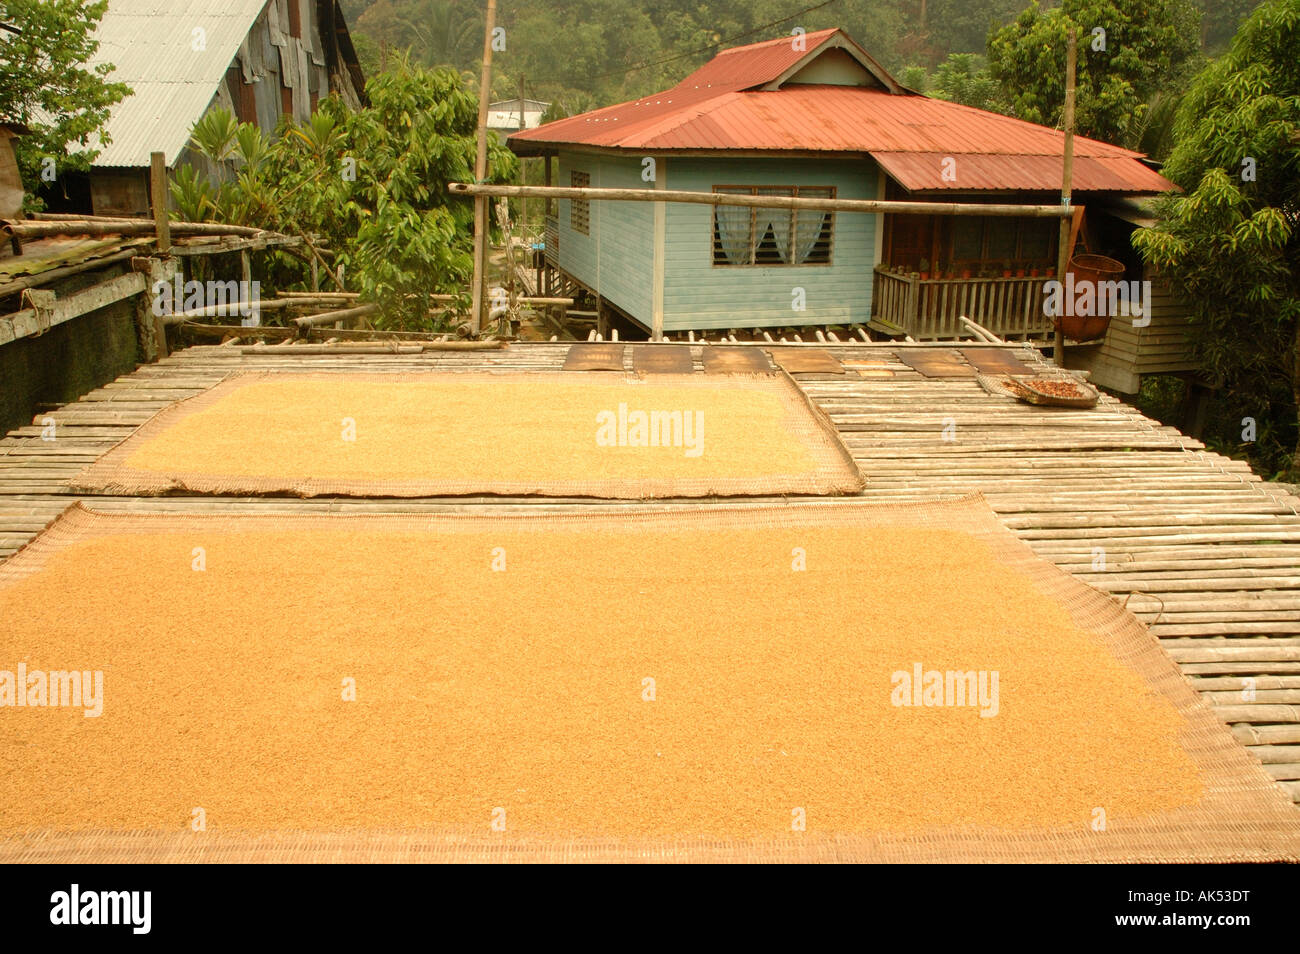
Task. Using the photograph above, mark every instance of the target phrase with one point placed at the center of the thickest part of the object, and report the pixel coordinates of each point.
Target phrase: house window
(580, 209)
(969, 243)
(295, 19)
(754, 236)
(999, 240)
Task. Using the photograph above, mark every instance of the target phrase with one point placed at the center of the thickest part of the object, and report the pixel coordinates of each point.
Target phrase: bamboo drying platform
(1201, 549)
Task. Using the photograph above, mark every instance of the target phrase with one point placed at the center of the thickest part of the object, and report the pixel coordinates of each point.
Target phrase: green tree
(1144, 44)
(372, 183)
(1231, 245)
(45, 85)
(963, 78)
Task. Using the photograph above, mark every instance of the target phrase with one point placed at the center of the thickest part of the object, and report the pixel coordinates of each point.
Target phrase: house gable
(836, 61)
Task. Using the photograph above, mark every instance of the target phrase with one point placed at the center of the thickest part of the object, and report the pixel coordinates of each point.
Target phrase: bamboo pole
(228, 310)
(394, 347)
(26, 231)
(310, 321)
(480, 174)
(77, 217)
(1067, 176)
(871, 206)
(351, 296)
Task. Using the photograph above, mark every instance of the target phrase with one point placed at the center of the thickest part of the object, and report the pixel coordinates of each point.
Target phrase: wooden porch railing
(931, 308)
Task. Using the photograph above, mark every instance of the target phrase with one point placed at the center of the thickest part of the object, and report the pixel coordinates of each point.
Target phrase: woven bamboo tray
(1017, 386)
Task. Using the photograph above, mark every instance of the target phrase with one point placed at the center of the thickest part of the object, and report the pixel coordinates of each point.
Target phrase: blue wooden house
(816, 115)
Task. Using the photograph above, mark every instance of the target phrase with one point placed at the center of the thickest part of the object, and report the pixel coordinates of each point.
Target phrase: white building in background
(507, 116)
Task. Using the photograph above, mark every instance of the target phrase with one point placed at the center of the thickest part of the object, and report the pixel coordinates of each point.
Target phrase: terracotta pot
(1090, 268)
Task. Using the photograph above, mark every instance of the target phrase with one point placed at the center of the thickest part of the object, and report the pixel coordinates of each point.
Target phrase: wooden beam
(160, 195)
(27, 322)
(480, 174)
(869, 206)
(660, 252)
(1067, 175)
(53, 274)
(288, 243)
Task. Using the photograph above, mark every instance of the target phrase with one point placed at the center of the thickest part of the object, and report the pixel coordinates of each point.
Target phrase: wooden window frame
(579, 209)
(823, 192)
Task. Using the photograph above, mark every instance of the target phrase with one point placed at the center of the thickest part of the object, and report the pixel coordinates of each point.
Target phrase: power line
(709, 49)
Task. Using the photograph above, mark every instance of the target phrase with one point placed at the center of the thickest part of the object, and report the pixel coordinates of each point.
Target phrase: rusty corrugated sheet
(742, 67)
(924, 171)
(152, 45)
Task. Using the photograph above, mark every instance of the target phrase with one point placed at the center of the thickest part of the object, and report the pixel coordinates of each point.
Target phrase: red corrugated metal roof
(922, 171)
(717, 108)
(743, 67)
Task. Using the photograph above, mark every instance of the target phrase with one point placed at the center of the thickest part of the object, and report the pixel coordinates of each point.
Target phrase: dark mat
(936, 362)
(806, 360)
(595, 356)
(996, 361)
(719, 359)
(662, 359)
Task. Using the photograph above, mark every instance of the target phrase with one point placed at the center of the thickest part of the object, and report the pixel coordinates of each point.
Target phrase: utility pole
(480, 174)
(523, 165)
(1067, 176)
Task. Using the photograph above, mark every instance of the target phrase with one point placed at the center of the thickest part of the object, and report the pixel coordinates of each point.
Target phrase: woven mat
(806, 360)
(772, 729)
(995, 361)
(724, 359)
(662, 359)
(996, 384)
(936, 362)
(434, 434)
(594, 356)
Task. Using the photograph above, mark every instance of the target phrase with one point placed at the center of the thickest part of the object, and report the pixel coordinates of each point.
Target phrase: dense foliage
(372, 183)
(45, 85)
(582, 53)
(1231, 245)
(1139, 51)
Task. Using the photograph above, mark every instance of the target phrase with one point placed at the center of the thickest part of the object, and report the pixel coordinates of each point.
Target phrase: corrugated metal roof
(925, 171)
(151, 44)
(909, 133)
(743, 67)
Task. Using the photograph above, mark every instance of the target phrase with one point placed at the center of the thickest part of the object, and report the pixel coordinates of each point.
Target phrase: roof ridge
(827, 31)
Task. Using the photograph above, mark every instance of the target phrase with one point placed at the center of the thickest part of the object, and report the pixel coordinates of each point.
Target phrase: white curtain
(808, 230)
(779, 221)
(733, 224)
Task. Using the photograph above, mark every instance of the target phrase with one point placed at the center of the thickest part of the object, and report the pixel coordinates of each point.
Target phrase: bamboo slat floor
(1198, 547)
